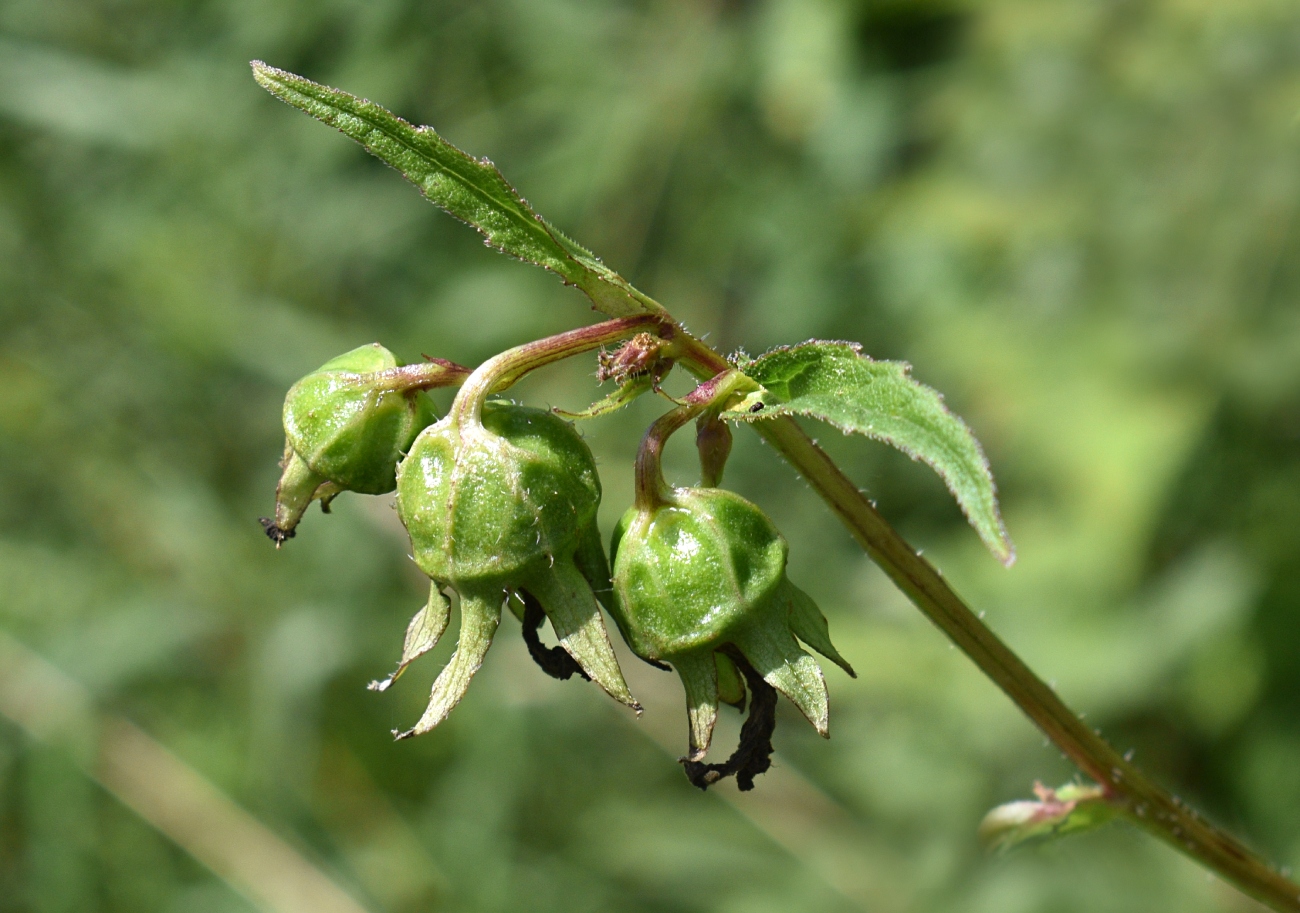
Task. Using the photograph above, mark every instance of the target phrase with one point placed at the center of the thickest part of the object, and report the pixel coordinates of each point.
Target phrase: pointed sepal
(773, 652)
(809, 625)
(570, 604)
(422, 634)
(699, 674)
(589, 557)
(299, 485)
(479, 615)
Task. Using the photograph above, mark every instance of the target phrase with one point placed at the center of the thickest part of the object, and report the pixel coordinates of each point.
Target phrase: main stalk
(1140, 799)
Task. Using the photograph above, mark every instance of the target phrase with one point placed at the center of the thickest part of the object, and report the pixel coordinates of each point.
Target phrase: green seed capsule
(501, 503)
(492, 501)
(700, 572)
(345, 430)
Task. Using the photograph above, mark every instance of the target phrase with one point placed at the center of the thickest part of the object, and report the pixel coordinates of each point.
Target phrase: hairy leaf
(471, 189)
(835, 382)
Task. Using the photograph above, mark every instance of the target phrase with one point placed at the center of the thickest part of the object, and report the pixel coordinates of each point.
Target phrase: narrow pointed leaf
(835, 382)
(471, 189)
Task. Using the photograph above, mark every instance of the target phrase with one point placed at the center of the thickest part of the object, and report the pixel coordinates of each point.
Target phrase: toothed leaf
(835, 382)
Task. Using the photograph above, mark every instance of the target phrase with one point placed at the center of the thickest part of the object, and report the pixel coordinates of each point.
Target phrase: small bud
(345, 428)
(713, 441)
(1056, 812)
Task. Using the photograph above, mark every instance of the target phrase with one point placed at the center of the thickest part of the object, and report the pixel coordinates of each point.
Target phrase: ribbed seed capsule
(703, 571)
(345, 429)
(501, 502)
(699, 583)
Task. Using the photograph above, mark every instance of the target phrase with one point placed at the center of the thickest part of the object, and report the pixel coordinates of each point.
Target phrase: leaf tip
(995, 534)
(992, 532)
(1007, 554)
(267, 76)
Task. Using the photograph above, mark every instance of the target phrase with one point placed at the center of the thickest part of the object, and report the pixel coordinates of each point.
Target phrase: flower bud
(345, 428)
(713, 442)
(500, 501)
(700, 574)
(1056, 812)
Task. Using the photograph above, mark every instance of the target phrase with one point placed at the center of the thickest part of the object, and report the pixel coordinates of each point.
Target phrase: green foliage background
(1076, 218)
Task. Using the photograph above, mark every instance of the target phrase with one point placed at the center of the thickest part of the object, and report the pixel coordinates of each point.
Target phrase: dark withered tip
(275, 533)
(753, 756)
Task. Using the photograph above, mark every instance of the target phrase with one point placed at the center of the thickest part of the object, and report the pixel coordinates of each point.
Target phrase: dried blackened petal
(753, 754)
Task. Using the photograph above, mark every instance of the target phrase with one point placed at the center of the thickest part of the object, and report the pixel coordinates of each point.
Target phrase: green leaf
(471, 189)
(835, 382)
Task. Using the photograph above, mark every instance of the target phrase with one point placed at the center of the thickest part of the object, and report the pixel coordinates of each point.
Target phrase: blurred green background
(1076, 218)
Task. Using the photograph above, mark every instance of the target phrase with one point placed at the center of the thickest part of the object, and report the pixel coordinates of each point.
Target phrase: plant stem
(501, 371)
(1141, 800)
(651, 489)
(425, 375)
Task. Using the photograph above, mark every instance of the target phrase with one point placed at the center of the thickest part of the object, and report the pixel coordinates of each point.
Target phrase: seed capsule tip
(274, 532)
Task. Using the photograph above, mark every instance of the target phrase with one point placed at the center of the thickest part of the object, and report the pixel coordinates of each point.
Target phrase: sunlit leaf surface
(835, 382)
